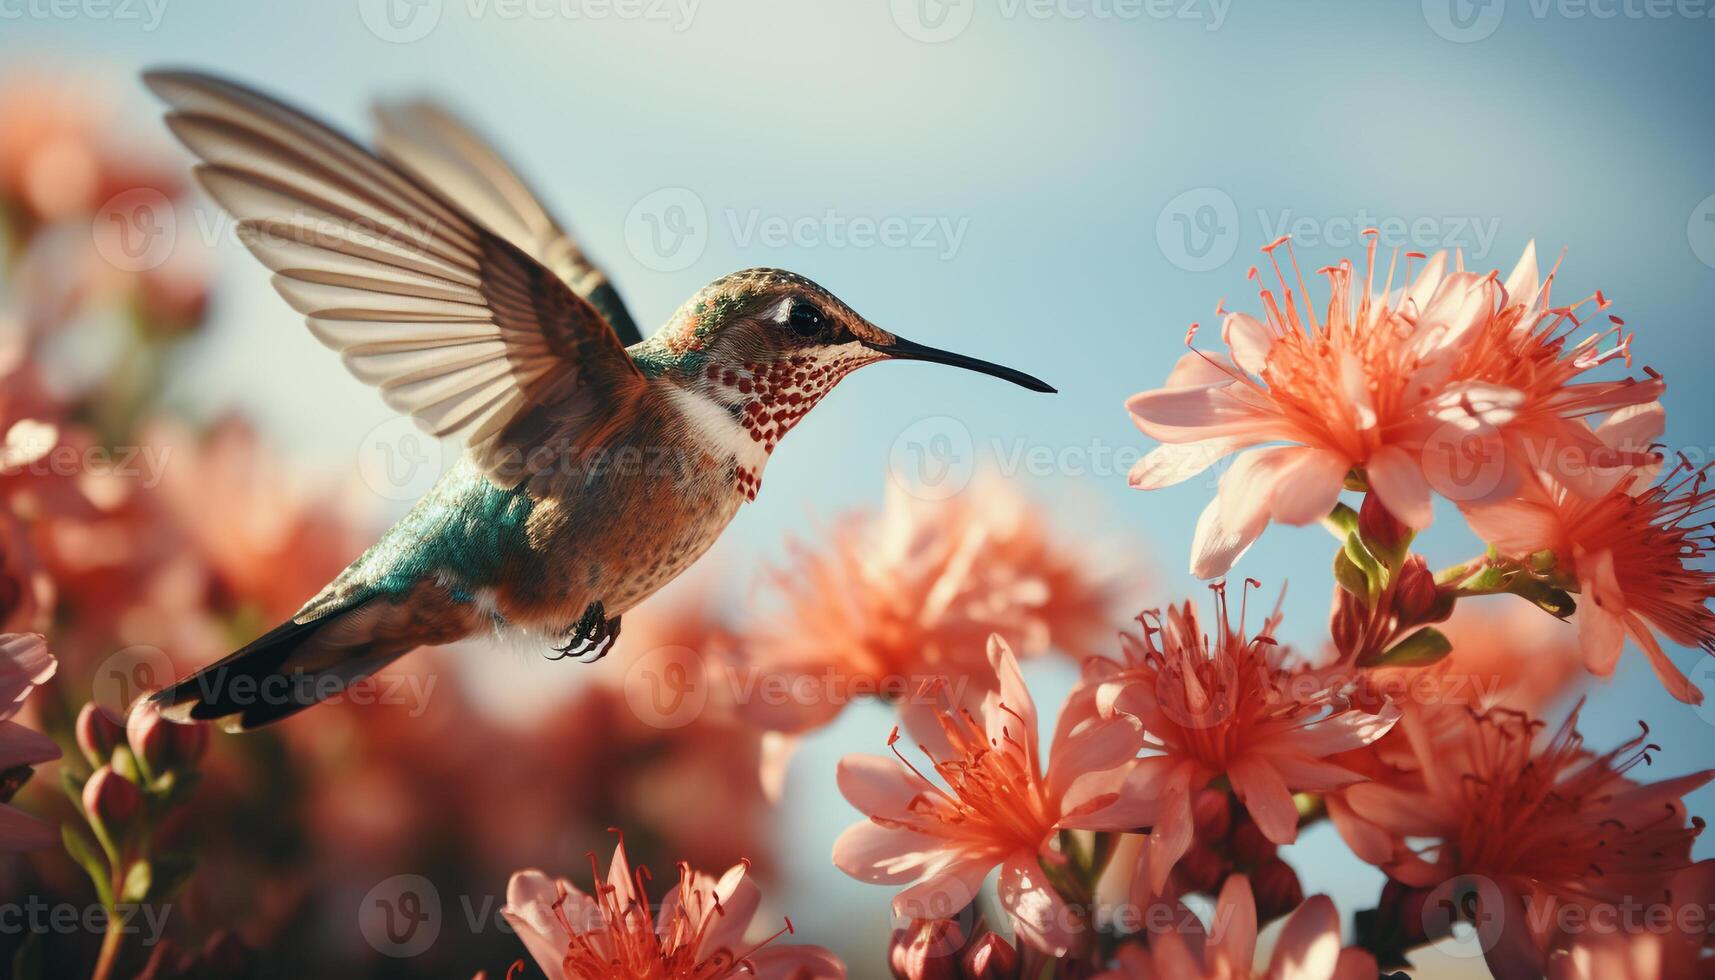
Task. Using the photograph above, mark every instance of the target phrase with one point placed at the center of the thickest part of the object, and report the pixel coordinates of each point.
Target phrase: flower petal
(1309, 945)
(1398, 481)
(1307, 486)
(1265, 795)
(887, 855)
(878, 786)
(1039, 914)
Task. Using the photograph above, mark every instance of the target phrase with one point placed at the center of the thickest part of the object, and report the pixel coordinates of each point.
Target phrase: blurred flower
(59, 155)
(1000, 806)
(1233, 706)
(913, 594)
(1308, 947)
(697, 934)
(25, 663)
(1648, 951)
(1403, 388)
(1508, 654)
(1542, 825)
(1632, 553)
(270, 537)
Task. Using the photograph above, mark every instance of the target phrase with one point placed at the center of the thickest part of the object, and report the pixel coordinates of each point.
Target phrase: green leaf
(138, 879)
(84, 852)
(1554, 601)
(1420, 649)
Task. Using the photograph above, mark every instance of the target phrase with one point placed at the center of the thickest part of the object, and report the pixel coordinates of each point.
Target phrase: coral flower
(1650, 950)
(25, 663)
(698, 933)
(999, 807)
(913, 595)
(1632, 553)
(1537, 825)
(1459, 383)
(1308, 948)
(1233, 707)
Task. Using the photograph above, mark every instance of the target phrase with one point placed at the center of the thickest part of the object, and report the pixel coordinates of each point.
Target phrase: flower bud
(1384, 534)
(1349, 623)
(163, 744)
(98, 734)
(1202, 869)
(1250, 847)
(990, 958)
(1277, 890)
(1212, 813)
(112, 799)
(1416, 597)
(927, 949)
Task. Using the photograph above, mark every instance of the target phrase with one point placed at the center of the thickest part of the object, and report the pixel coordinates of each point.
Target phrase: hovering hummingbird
(599, 465)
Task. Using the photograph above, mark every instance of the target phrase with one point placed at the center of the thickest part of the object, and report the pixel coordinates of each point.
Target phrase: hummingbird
(598, 466)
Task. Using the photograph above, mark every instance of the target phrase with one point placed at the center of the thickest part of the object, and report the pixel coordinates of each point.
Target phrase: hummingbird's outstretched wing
(454, 323)
(443, 151)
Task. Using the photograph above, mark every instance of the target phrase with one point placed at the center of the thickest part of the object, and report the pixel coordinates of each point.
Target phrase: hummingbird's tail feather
(289, 668)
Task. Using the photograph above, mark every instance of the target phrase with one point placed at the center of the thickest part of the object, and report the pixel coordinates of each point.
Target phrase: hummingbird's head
(780, 329)
(751, 353)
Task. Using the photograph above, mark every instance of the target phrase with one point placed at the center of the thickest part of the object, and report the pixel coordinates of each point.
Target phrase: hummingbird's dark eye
(805, 320)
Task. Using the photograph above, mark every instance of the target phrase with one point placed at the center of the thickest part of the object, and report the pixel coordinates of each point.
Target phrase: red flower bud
(1416, 597)
(1349, 623)
(1250, 847)
(991, 958)
(1212, 812)
(163, 744)
(1202, 869)
(112, 799)
(98, 733)
(1277, 890)
(927, 949)
(1382, 532)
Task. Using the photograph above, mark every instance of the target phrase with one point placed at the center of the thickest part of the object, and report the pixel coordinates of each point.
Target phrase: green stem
(110, 942)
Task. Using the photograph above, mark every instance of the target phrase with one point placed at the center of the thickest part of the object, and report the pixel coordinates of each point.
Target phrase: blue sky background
(1060, 162)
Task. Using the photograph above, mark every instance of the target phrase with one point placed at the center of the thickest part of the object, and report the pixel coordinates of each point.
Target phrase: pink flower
(1308, 947)
(1232, 706)
(1538, 825)
(913, 593)
(1404, 388)
(1631, 552)
(25, 663)
(1000, 806)
(698, 933)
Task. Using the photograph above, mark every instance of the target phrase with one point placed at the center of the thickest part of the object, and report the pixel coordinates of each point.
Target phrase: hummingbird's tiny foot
(591, 638)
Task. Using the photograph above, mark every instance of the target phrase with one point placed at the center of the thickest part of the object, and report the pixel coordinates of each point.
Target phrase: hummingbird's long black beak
(905, 350)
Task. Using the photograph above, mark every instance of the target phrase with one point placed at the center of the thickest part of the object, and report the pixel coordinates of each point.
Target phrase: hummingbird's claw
(591, 638)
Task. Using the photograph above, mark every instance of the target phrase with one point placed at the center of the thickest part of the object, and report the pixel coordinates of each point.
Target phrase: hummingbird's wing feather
(443, 151)
(452, 322)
